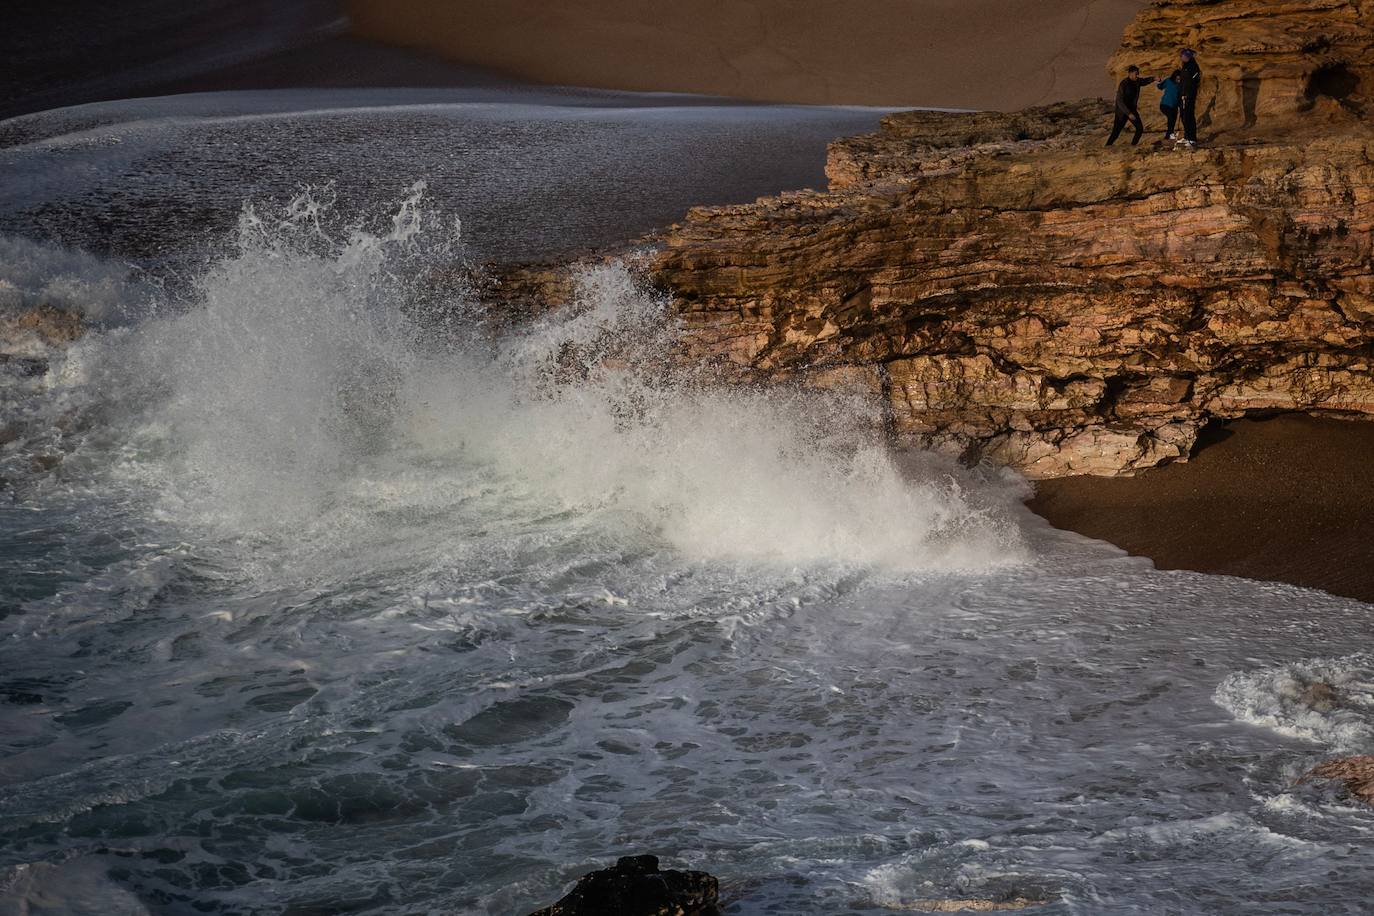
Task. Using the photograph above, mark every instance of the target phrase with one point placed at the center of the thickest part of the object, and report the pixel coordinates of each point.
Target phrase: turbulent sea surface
(308, 607)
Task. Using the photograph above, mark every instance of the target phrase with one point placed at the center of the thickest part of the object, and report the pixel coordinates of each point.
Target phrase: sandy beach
(997, 54)
(1289, 499)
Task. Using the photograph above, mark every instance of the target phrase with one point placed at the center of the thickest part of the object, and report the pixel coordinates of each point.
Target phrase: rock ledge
(1013, 292)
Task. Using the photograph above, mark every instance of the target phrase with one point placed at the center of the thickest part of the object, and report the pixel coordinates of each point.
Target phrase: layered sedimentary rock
(1355, 774)
(1260, 58)
(919, 144)
(1017, 293)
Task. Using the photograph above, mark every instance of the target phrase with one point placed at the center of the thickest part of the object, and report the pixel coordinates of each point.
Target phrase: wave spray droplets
(303, 373)
(343, 593)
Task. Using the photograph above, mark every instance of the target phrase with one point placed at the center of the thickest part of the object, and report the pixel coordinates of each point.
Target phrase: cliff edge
(1017, 293)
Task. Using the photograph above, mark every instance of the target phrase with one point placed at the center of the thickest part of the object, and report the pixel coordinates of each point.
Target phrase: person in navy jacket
(1187, 96)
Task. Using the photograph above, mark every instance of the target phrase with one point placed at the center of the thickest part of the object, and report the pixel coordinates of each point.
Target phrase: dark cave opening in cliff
(1334, 81)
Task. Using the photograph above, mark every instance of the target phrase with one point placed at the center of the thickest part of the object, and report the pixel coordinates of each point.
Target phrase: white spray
(295, 392)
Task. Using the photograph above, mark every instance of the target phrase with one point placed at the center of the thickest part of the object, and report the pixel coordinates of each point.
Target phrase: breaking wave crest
(307, 394)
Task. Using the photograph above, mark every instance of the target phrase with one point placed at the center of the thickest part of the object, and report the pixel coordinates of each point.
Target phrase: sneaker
(1168, 137)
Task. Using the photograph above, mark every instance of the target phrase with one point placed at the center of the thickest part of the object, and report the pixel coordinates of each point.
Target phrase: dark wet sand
(1289, 499)
(338, 62)
(317, 62)
(1003, 54)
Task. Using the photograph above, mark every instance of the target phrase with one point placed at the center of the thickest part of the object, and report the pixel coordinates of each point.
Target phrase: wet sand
(150, 49)
(1289, 499)
(1000, 54)
(338, 62)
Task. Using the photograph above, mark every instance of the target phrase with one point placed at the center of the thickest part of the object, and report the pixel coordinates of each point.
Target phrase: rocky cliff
(1017, 293)
(1261, 59)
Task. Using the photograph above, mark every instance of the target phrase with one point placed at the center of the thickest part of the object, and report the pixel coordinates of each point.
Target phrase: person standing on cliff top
(1187, 96)
(1127, 100)
(1168, 102)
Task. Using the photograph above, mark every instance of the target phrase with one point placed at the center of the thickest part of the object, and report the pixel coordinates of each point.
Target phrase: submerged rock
(29, 335)
(45, 324)
(1356, 774)
(635, 887)
(1319, 696)
(23, 366)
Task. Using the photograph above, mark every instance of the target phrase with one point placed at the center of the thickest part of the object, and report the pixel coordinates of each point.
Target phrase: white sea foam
(298, 378)
(75, 888)
(1281, 698)
(318, 595)
(35, 273)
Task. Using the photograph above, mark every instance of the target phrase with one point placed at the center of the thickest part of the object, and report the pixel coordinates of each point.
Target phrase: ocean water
(323, 590)
(532, 172)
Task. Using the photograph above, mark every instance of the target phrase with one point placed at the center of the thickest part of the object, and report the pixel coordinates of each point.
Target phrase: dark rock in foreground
(635, 887)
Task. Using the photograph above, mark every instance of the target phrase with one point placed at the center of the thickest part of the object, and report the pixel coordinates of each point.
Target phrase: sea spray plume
(301, 401)
(297, 224)
(288, 368)
(602, 415)
(613, 340)
(406, 264)
(34, 273)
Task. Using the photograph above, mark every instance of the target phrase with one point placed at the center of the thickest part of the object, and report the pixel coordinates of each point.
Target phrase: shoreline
(1288, 499)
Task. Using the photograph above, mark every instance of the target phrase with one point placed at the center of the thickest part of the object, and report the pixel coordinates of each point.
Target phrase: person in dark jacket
(1168, 102)
(1127, 101)
(1187, 96)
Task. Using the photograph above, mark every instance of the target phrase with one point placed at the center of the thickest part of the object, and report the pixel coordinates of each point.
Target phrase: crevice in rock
(1214, 431)
(1334, 81)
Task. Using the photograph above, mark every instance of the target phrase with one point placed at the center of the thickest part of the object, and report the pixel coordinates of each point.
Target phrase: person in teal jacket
(1168, 102)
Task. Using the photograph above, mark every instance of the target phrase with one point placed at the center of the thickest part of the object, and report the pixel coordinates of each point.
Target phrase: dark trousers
(1171, 113)
(1121, 118)
(1187, 110)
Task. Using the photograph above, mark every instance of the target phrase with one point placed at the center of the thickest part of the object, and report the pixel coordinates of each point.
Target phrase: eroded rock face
(1355, 774)
(635, 887)
(914, 144)
(1260, 58)
(44, 324)
(1018, 293)
(28, 335)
